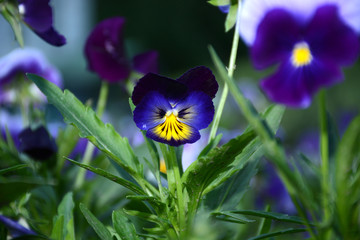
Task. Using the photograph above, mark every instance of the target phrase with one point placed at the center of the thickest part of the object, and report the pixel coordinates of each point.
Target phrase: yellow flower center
(172, 128)
(301, 55)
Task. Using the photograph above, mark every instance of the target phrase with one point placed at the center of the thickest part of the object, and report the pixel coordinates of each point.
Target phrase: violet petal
(105, 52)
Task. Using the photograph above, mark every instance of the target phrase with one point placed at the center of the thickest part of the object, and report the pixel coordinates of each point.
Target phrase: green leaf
(125, 183)
(347, 179)
(123, 226)
(219, 2)
(11, 14)
(85, 119)
(231, 17)
(98, 227)
(265, 223)
(271, 215)
(3, 231)
(64, 221)
(57, 232)
(229, 217)
(13, 168)
(278, 233)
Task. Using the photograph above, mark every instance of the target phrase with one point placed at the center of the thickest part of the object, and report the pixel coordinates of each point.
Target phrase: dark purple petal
(330, 39)
(37, 14)
(169, 88)
(151, 111)
(294, 86)
(52, 37)
(196, 110)
(200, 79)
(192, 137)
(15, 228)
(146, 62)
(37, 143)
(276, 36)
(105, 52)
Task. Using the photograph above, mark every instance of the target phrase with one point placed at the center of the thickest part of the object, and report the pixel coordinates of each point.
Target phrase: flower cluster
(173, 111)
(310, 40)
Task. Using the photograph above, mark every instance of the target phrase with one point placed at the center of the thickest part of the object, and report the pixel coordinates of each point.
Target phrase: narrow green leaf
(271, 215)
(13, 168)
(123, 226)
(278, 233)
(347, 165)
(231, 17)
(147, 216)
(85, 119)
(57, 232)
(98, 227)
(219, 2)
(229, 217)
(125, 183)
(64, 221)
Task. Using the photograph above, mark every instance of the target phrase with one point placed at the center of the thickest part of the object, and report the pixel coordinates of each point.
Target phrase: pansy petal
(196, 110)
(151, 111)
(27, 60)
(52, 37)
(224, 8)
(294, 87)
(253, 12)
(342, 43)
(174, 134)
(105, 52)
(275, 38)
(15, 228)
(200, 79)
(146, 62)
(37, 14)
(171, 89)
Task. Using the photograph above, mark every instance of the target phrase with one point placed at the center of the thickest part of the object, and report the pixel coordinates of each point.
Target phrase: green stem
(225, 92)
(324, 150)
(101, 104)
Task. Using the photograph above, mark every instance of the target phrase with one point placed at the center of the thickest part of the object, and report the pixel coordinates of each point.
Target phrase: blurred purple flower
(224, 8)
(310, 40)
(15, 229)
(105, 53)
(272, 191)
(13, 123)
(37, 143)
(21, 61)
(37, 14)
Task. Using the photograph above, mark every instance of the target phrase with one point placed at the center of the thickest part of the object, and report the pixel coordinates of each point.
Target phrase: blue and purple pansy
(310, 40)
(173, 111)
(37, 14)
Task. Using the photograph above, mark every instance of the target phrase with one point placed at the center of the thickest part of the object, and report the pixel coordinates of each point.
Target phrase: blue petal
(15, 228)
(151, 111)
(196, 110)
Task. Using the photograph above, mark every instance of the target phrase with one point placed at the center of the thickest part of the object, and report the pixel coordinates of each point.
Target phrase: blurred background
(181, 32)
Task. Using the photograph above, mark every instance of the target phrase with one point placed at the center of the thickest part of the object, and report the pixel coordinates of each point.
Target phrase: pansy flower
(105, 52)
(310, 40)
(16, 64)
(37, 14)
(173, 111)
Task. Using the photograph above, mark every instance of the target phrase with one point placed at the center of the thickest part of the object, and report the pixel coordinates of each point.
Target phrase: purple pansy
(105, 52)
(37, 143)
(19, 62)
(173, 111)
(310, 40)
(37, 14)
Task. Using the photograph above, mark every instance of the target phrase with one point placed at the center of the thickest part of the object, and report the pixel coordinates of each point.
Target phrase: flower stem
(324, 151)
(101, 104)
(225, 92)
